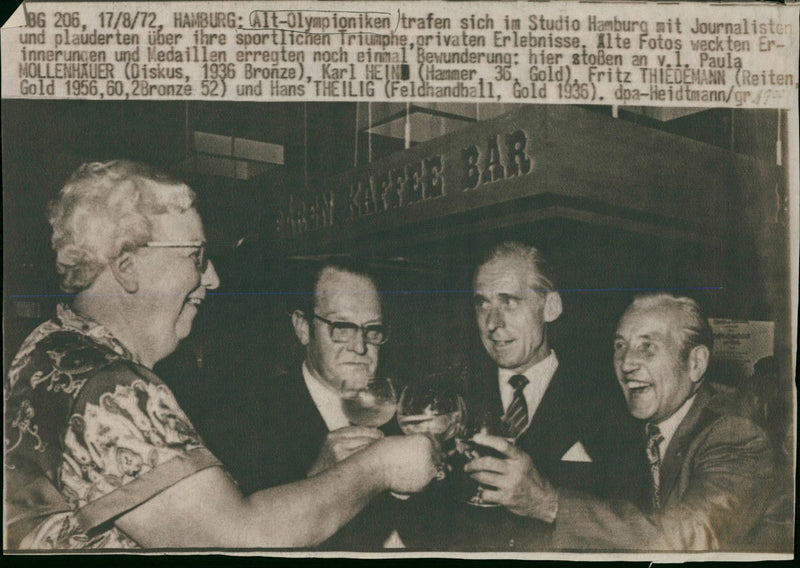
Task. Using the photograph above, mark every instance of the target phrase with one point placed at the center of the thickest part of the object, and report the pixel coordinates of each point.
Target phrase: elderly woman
(98, 452)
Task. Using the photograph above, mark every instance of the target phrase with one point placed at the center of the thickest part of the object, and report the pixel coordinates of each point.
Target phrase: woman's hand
(409, 462)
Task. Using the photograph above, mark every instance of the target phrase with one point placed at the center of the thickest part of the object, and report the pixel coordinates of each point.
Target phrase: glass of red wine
(485, 422)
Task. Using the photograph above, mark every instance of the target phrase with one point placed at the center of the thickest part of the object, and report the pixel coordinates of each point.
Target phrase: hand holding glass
(430, 410)
(487, 423)
(436, 411)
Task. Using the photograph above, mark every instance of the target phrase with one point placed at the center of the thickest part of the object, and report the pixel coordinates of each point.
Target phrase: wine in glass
(369, 403)
(432, 409)
(435, 410)
(484, 422)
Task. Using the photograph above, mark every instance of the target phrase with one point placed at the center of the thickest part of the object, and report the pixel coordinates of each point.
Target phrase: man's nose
(629, 360)
(495, 318)
(210, 279)
(357, 344)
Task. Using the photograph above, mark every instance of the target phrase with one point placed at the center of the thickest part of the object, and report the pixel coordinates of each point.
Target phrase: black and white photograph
(457, 328)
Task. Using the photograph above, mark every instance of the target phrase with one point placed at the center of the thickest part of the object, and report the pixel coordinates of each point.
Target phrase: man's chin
(505, 362)
(640, 412)
(183, 330)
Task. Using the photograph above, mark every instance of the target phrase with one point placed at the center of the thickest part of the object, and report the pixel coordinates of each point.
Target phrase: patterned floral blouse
(89, 435)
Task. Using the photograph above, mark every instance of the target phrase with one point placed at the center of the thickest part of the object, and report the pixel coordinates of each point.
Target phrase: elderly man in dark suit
(711, 470)
(547, 402)
(558, 414)
(292, 426)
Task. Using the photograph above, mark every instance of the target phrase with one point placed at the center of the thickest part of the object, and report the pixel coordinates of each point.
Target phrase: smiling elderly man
(711, 470)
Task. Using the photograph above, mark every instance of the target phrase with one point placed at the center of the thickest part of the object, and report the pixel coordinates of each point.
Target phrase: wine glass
(435, 410)
(483, 422)
(432, 409)
(369, 403)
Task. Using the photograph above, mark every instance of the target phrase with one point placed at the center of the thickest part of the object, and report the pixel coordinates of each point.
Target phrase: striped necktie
(654, 439)
(516, 417)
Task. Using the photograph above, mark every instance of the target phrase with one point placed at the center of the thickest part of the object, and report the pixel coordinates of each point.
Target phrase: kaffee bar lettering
(498, 157)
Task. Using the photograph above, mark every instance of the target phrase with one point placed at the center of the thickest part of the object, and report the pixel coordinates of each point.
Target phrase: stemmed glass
(483, 422)
(369, 402)
(433, 409)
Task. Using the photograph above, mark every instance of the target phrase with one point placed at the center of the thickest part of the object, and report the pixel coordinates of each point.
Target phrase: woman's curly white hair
(105, 209)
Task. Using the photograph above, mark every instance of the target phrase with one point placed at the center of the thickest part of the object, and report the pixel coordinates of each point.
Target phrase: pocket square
(577, 453)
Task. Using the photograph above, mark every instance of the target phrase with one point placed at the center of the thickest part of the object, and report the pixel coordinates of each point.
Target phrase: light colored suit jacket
(716, 477)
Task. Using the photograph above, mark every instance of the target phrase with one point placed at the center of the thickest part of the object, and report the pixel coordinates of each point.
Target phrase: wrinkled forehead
(655, 322)
(347, 294)
(508, 275)
(185, 226)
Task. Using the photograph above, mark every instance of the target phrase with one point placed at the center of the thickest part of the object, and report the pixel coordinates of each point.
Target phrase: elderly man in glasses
(98, 452)
(292, 426)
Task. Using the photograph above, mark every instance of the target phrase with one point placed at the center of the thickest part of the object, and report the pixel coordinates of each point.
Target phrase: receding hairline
(686, 314)
(533, 277)
(662, 306)
(337, 272)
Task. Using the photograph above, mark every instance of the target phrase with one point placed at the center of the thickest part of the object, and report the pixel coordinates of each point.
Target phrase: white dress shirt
(670, 425)
(538, 375)
(327, 401)
(329, 404)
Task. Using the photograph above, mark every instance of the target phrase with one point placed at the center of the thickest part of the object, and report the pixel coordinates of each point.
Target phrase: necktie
(516, 417)
(654, 439)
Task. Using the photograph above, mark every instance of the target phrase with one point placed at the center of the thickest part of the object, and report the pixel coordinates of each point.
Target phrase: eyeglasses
(200, 259)
(345, 331)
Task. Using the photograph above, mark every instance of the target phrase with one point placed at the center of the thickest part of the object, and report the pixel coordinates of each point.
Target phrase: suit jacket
(716, 477)
(269, 433)
(575, 408)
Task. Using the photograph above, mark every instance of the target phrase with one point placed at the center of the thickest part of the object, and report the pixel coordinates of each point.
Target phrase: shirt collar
(326, 399)
(669, 426)
(539, 373)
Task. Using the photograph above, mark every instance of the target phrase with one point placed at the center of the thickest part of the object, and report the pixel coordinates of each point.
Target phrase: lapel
(551, 431)
(483, 393)
(696, 419)
(307, 414)
(548, 436)
(272, 433)
(297, 422)
(551, 404)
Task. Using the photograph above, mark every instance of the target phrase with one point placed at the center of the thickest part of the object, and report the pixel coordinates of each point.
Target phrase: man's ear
(301, 327)
(124, 270)
(698, 362)
(552, 306)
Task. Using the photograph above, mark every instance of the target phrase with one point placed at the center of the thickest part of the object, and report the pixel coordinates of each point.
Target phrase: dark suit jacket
(270, 433)
(575, 408)
(716, 477)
